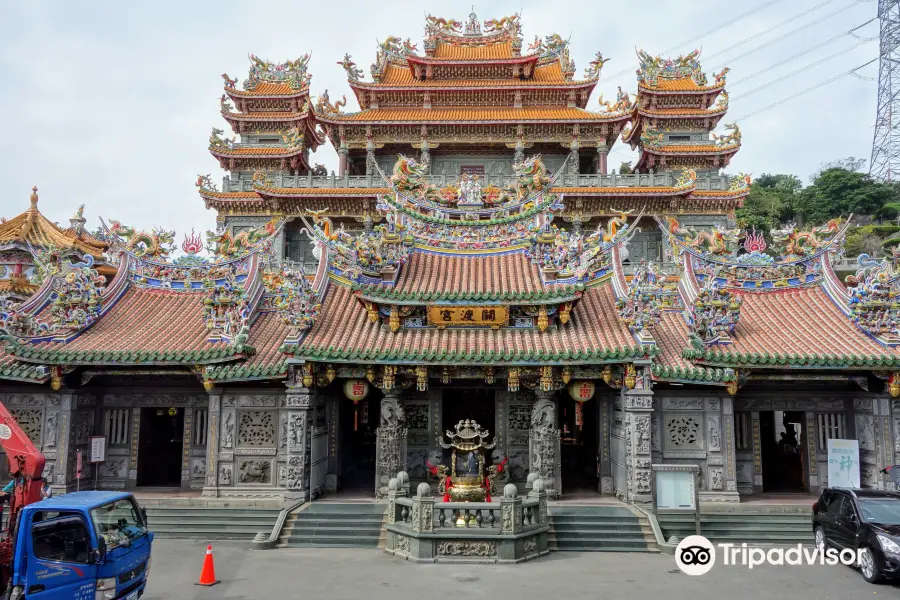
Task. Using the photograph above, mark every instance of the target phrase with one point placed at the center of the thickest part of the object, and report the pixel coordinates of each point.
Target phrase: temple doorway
(781, 447)
(160, 447)
(469, 403)
(358, 425)
(578, 444)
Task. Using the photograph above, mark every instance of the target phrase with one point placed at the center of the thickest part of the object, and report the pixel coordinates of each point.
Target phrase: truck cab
(81, 546)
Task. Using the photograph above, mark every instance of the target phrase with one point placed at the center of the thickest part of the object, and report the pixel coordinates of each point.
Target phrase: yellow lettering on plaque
(484, 316)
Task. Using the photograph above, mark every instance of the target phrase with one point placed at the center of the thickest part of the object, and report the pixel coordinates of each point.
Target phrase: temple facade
(473, 257)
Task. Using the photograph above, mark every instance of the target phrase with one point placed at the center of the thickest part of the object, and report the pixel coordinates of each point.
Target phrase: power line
(805, 52)
(718, 27)
(801, 92)
(798, 71)
(778, 25)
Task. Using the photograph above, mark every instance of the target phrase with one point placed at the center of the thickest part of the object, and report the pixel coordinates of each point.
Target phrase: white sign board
(98, 449)
(675, 490)
(843, 463)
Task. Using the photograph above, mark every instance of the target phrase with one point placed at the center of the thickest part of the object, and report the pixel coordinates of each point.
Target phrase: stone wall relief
(254, 471)
(683, 403)
(198, 468)
(683, 432)
(114, 467)
(30, 421)
(256, 428)
(225, 474)
(228, 430)
(716, 479)
(714, 434)
(416, 415)
(865, 432)
(51, 429)
(296, 432)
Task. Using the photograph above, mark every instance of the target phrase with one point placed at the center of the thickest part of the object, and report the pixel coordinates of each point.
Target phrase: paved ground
(370, 575)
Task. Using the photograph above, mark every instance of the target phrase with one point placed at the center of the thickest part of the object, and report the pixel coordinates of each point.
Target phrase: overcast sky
(110, 103)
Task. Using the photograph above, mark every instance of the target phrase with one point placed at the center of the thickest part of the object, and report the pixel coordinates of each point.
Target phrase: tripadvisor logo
(696, 555)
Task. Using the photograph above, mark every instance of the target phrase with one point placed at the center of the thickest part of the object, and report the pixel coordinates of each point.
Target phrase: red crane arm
(26, 463)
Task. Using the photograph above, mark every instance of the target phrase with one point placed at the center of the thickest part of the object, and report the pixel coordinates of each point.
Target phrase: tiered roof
(675, 109)
(274, 104)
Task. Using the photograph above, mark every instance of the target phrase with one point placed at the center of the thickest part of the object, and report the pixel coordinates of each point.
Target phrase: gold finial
(34, 196)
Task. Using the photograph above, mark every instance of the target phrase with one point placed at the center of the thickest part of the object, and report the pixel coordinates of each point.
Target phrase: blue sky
(110, 104)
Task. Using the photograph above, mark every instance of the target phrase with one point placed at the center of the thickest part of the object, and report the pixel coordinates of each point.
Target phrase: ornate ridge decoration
(192, 246)
(622, 105)
(75, 301)
(740, 182)
(353, 73)
(642, 307)
(592, 71)
(217, 142)
(226, 310)
(205, 183)
(714, 313)
(650, 137)
(226, 246)
(290, 294)
(792, 262)
(729, 139)
(391, 51)
(292, 72)
(875, 298)
(325, 107)
(654, 68)
(155, 244)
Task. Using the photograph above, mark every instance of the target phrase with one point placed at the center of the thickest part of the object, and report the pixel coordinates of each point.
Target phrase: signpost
(97, 447)
(78, 462)
(843, 463)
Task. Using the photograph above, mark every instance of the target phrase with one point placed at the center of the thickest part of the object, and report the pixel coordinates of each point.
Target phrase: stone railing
(425, 529)
(704, 182)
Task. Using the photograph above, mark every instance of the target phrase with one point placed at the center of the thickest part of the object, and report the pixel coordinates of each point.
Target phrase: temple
(473, 262)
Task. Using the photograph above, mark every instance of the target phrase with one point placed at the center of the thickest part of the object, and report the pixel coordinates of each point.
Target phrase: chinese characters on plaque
(491, 316)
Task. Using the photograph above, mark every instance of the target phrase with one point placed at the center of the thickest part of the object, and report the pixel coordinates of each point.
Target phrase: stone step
(588, 518)
(569, 525)
(210, 523)
(309, 522)
(332, 542)
(344, 508)
(599, 511)
(605, 548)
(602, 543)
(604, 533)
(200, 521)
(331, 532)
(733, 518)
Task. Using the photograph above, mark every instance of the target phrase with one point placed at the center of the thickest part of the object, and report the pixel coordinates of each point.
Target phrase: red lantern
(356, 390)
(582, 390)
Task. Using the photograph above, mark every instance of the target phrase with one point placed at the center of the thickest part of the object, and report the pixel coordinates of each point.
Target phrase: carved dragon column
(212, 444)
(638, 403)
(390, 451)
(543, 443)
(299, 407)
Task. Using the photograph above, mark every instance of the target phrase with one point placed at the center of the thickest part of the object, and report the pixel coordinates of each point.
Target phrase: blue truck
(80, 546)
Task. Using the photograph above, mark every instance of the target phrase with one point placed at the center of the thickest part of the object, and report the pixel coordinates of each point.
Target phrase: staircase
(210, 522)
(599, 529)
(753, 526)
(334, 525)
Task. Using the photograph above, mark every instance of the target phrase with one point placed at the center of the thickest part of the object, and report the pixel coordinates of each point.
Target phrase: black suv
(868, 520)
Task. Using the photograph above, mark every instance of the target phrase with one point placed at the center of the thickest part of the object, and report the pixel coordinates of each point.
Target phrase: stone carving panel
(24, 400)
(254, 471)
(684, 431)
(416, 463)
(29, 420)
(50, 433)
(519, 417)
(518, 465)
(714, 434)
(225, 474)
(716, 479)
(256, 428)
(712, 404)
(683, 403)
(642, 435)
(198, 468)
(294, 477)
(416, 416)
(296, 432)
(865, 432)
(228, 430)
(258, 401)
(114, 467)
(467, 548)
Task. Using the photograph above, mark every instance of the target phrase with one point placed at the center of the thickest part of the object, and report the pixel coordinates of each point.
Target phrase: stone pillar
(604, 405)
(343, 153)
(573, 157)
(638, 405)
(299, 410)
(756, 439)
(370, 161)
(543, 443)
(332, 420)
(602, 157)
(728, 448)
(884, 446)
(212, 444)
(65, 469)
(425, 155)
(390, 449)
(519, 155)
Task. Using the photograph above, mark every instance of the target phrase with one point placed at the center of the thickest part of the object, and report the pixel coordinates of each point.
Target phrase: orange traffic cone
(208, 573)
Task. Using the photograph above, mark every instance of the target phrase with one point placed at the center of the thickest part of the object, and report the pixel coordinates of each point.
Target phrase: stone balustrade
(423, 528)
(667, 179)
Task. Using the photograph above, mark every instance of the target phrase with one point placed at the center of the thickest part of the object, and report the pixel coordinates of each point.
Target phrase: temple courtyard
(356, 573)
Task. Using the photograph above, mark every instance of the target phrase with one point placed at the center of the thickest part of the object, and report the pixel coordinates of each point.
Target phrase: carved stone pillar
(212, 444)
(574, 167)
(343, 153)
(728, 447)
(884, 442)
(756, 440)
(638, 408)
(299, 411)
(602, 157)
(543, 443)
(65, 470)
(370, 161)
(390, 449)
(604, 408)
(519, 155)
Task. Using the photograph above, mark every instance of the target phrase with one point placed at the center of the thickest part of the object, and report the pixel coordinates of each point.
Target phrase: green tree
(773, 199)
(837, 191)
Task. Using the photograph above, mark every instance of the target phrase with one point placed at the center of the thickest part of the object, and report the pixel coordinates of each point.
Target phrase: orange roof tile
(693, 149)
(671, 335)
(475, 114)
(677, 112)
(662, 191)
(468, 274)
(34, 228)
(547, 75)
(265, 88)
(450, 51)
(343, 324)
(684, 84)
(256, 151)
(281, 116)
(373, 191)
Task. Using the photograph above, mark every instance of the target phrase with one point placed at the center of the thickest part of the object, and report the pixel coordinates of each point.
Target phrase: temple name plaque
(489, 316)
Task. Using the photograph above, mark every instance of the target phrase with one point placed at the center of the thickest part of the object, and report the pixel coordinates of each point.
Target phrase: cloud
(110, 104)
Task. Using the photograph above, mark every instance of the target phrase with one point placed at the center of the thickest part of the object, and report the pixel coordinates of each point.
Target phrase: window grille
(201, 416)
(116, 426)
(831, 426)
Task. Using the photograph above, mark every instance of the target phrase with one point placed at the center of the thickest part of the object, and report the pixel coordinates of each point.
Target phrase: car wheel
(868, 565)
(821, 541)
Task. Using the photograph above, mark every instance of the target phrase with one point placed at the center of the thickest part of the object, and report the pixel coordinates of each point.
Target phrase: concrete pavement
(340, 574)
